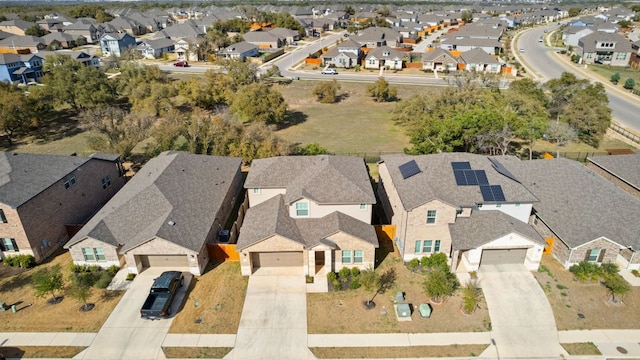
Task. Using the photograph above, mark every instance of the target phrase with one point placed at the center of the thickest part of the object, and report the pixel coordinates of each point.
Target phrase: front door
(319, 255)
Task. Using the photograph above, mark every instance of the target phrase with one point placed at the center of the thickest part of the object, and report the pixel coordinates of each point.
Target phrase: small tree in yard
(629, 84)
(81, 291)
(439, 284)
(327, 92)
(615, 78)
(369, 279)
(46, 282)
(616, 285)
(380, 91)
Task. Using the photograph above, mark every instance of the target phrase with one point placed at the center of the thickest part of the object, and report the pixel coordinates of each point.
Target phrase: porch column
(328, 260)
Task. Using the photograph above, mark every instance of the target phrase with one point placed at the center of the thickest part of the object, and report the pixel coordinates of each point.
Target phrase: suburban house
(79, 56)
(15, 27)
(572, 34)
(289, 36)
(21, 69)
(347, 54)
(22, 42)
(264, 39)
(240, 51)
(115, 44)
(153, 49)
(86, 28)
(185, 50)
(466, 206)
(604, 48)
(372, 37)
(312, 213)
(44, 197)
(572, 196)
(164, 216)
(384, 57)
(60, 40)
(622, 170)
(478, 60)
(439, 59)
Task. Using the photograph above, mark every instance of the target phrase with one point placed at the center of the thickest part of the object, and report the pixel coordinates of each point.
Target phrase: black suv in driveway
(161, 295)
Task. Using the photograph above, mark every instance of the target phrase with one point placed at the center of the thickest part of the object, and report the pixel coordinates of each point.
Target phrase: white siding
(471, 258)
(317, 210)
(521, 212)
(263, 195)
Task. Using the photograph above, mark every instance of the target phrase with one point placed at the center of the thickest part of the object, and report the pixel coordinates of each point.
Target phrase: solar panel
(502, 170)
(471, 177)
(460, 178)
(498, 195)
(487, 194)
(481, 175)
(461, 165)
(409, 169)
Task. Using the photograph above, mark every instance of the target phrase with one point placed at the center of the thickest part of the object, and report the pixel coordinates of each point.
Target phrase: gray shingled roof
(484, 226)
(177, 187)
(436, 180)
(578, 204)
(625, 167)
(478, 56)
(589, 42)
(23, 176)
(324, 179)
(271, 218)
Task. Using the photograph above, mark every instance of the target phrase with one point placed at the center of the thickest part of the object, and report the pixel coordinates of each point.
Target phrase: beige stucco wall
(110, 253)
(319, 210)
(44, 217)
(159, 246)
(263, 195)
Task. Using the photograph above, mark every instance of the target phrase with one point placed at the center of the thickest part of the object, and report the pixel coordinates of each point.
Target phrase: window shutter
(601, 256)
(418, 246)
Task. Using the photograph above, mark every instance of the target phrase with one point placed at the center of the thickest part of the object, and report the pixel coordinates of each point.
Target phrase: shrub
(84, 278)
(76, 268)
(355, 284)
(629, 84)
(586, 271)
(471, 296)
(436, 260)
(336, 285)
(635, 272)
(355, 272)
(331, 276)
(94, 268)
(27, 261)
(609, 268)
(440, 284)
(113, 270)
(413, 263)
(344, 272)
(131, 276)
(424, 261)
(103, 281)
(615, 78)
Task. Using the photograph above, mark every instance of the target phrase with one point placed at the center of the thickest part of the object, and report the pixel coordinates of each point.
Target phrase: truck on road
(163, 291)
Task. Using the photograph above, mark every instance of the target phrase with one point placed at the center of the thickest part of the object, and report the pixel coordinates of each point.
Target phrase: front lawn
(37, 315)
(398, 352)
(569, 297)
(604, 72)
(343, 312)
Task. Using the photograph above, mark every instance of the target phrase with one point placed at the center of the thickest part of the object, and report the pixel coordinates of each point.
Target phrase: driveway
(274, 320)
(125, 335)
(521, 318)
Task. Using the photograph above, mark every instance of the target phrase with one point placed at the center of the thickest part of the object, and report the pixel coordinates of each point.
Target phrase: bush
(104, 280)
(355, 284)
(76, 268)
(113, 270)
(344, 272)
(336, 285)
(22, 260)
(130, 276)
(331, 276)
(95, 268)
(586, 271)
(85, 278)
(355, 272)
(471, 296)
(436, 260)
(615, 78)
(413, 263)
(629, 84)
(609, 268)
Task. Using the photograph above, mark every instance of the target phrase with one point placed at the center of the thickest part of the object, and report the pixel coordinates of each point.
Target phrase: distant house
(22, 42)
(604, 48)
(164, 216)
(384, 57)
(153, 49)
(44, 197)
(439, 60)
(622, 170)
(86, 28)
(240, 51)
(347, 54)
(79, 56)
(572, 34)
(372, 37)
(116, 44)
(288, 35)
(478, 60)
(21, 69)
(15, 27)
(264, 39)
(59, 40)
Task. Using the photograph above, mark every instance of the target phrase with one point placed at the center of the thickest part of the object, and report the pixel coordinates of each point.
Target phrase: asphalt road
(546, 65)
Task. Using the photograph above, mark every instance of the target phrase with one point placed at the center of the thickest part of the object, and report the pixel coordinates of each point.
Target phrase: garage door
(503, 256)
(276, 259)
(164, 261)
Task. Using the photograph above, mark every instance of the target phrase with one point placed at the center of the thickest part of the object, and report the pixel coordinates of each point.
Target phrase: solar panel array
(492, 193)
(465, 176)
(470, 177)
(409, 169)
(502, 170)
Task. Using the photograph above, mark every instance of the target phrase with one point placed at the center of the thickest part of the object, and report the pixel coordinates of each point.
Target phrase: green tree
(209, 93)
(440, 284)
(81, 292)
(35, 30)
(561, 134)
(309, 149)
(90, 10)
(61, 76)
(629, 84)
(615, 78)
(625, 23)
(240, 73)
(48, 281)
(257, 141)
(349, 10)
(327, 91)
(258, 103)
(16, 111)
(467, 16)
(380, 91)
(117, 130)
(526, 111)
(616, 285)
(573, 12)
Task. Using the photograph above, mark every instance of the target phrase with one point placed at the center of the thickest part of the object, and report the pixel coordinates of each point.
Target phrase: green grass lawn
(605, 71)
(355, 125)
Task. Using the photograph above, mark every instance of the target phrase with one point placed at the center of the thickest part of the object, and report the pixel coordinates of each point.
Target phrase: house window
(88, 254)
(436, 248)
(358, 256)
(346, 256)
(69, 181)
(517, 204)
(426, 246)
(99, 254)
(302, 209)
(593, 255)
(363, 206)
(8, 244)
(257, 191)
(3, 219)
(621, 56)
(498, 205)
(431, 216)
(106, 182)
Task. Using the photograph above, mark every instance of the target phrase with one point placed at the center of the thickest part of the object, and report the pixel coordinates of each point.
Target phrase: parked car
(161, 295)
(181, 64)
(329, 72)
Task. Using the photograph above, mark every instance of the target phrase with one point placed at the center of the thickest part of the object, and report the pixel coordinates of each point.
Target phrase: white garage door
(276, 259)
(503, 256)
(164, 261)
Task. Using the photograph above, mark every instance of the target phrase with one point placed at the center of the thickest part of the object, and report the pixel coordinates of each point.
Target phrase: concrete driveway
(274, 320)
(125, 335)
(522, 322)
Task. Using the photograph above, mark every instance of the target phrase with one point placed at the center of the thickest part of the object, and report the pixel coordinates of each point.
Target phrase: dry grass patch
(397, 352)
(58, 352)
(195, 352)
(343, 312)
(586, 348)
(569, 297)
(40, 316)
(214, 302)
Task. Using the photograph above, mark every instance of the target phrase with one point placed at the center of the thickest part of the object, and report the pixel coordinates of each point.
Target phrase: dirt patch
(342, 312)
(587, 348)
(398, 352)
(8, 271)
(214, 302)
(64, 316)
(59, 352)
(584, 305)
(195, 352)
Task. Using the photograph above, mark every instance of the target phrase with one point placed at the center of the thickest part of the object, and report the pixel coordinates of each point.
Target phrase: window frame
(596, 256)
(356, 257)
(257, 191)
(106, 182)
(436, 246)
(427, 246)
(88, 252)
(432, 216)
(69, 181)
(3, 217)
(342, 257)
(363, 206)
(298, 210)
(12, 246)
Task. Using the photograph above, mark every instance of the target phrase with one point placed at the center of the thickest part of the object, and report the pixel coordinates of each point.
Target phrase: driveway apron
(125, 335)
(274, 320)
(522, 321)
